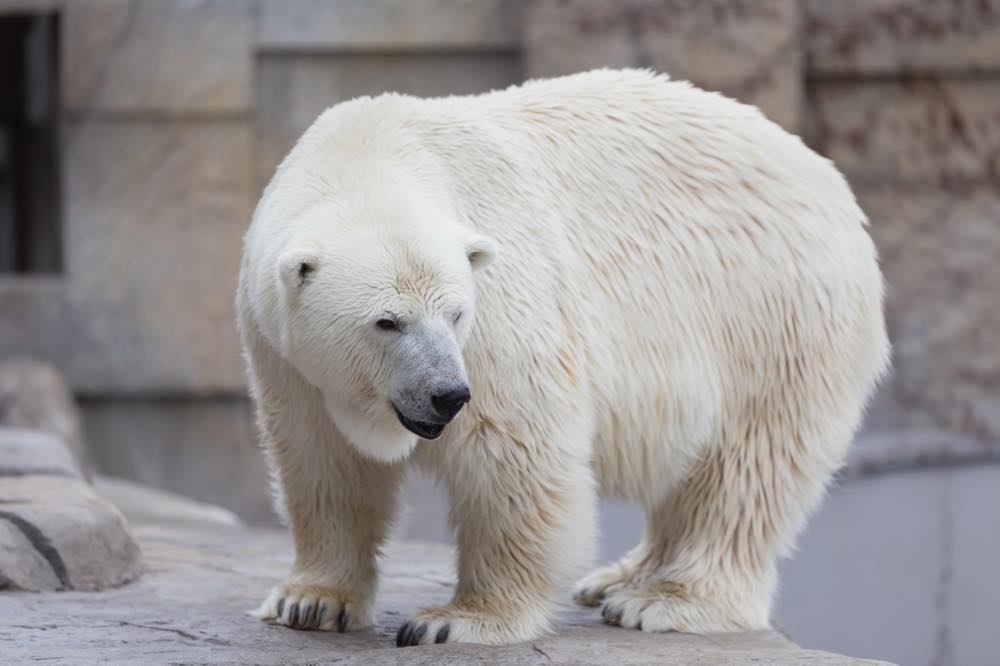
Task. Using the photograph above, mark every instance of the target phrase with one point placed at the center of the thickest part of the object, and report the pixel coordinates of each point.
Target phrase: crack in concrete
(179, 632)
(541, 652)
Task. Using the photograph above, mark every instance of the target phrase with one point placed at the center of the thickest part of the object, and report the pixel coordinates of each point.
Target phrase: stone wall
(905, 97)
(157, 176)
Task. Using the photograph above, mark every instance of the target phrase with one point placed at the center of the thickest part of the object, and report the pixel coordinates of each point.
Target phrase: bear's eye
(457, 318)
(387, 325)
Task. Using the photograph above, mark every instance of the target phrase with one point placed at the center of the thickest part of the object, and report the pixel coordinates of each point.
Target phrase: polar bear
(683, 310)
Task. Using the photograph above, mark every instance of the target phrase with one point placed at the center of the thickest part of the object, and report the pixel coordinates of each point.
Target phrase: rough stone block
(295, 89)
(22, 566)
(34, 395)
(938, 132)
(149, 56)
(154, 220)
(154, 216)
(388, 25)
(747, 50)
(26, 452)
(940, 253)
(82, 537)
(902, 36)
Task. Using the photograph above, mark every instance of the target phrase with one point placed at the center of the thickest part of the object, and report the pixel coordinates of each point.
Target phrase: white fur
(685, 312)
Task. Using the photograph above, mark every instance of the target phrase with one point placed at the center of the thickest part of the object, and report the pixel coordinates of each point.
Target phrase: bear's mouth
(421, 429)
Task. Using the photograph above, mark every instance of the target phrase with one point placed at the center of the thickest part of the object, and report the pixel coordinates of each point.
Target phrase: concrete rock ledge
(56, 533)
(191, 607)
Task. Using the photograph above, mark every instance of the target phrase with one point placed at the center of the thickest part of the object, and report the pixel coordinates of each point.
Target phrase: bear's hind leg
(713, 544)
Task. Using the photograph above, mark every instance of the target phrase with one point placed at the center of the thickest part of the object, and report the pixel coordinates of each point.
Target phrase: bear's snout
(450, 403)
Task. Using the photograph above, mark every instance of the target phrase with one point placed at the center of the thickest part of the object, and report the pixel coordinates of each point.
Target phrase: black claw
(442, 634)
(320, 614)
(281, 606)
(307, 616)
(610, 615)
(343, 620)
(639, 626)
(418, 634)
(402, 635)
(293, 614)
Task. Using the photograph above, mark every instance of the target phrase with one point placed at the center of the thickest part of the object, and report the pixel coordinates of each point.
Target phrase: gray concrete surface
(191, 607)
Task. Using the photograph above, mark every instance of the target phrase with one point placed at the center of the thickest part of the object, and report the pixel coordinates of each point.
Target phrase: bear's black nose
(449, 403)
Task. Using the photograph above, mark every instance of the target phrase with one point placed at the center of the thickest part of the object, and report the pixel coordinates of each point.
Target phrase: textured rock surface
(339, 25)
(900, 36)
(746, 49)
(26, 452)
(928, 131)
(56, 533)
(155, 218)
(81, 537)
(154, 56)
(191, 607)
(34, 395)
(940, 252)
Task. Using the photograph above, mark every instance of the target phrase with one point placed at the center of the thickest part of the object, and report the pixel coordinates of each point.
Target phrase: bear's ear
(480, 250)
(296, 266)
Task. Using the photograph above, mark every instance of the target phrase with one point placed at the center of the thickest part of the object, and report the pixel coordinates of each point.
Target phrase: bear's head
(374, 299)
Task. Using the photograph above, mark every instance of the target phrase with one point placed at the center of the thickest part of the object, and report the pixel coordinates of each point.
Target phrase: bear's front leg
(339, 506)
(524, 510)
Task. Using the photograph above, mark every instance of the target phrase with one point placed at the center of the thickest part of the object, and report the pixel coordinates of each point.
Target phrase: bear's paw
(595, 586)
(302, 606)
(659, 606)
(456, 623)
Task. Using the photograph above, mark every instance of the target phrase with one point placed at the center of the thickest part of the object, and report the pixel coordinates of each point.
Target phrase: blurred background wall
(137, 134)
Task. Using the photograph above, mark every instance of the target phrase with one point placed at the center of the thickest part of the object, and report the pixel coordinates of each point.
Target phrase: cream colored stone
(388, 25)
(747, 50)
(26, 452)
(939, 132)
(940, 253)
(21, 566)
(34, 395)
(154, 219)
(81, 537)
(902, 36)
(152, 56)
